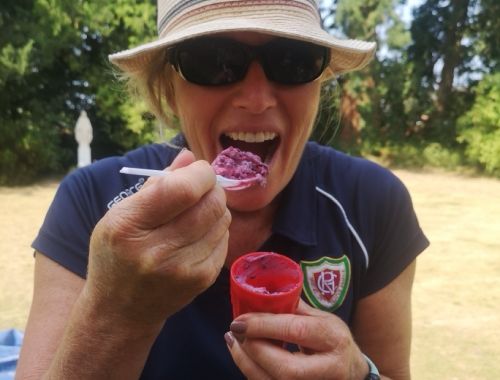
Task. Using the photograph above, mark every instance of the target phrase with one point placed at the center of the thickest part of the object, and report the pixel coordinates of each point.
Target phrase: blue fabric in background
(10, 345)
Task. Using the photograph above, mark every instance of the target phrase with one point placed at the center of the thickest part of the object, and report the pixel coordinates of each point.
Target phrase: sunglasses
(210, 61)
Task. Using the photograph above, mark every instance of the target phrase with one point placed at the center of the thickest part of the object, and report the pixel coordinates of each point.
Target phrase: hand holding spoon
(227, 183)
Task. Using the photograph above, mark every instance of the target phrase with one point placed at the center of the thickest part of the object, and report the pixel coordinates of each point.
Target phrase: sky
(405, 10)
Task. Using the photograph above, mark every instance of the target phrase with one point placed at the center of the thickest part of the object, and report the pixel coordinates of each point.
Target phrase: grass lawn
(456, 301)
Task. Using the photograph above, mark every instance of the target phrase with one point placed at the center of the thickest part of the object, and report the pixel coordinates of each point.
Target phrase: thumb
(184, 158)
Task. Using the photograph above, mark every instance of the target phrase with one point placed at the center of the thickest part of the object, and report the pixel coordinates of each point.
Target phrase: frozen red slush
(265, 282)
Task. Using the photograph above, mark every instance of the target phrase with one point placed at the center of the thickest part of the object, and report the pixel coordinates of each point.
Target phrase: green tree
(439, 53)
(405, 105)
(372, 105)
(485, 33)
(479, 128)
(53, 63)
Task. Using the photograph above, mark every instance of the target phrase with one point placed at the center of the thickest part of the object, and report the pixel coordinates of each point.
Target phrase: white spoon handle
(228, 183)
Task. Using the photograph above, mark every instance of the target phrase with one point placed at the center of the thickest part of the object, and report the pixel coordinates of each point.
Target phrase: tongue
(260, 149)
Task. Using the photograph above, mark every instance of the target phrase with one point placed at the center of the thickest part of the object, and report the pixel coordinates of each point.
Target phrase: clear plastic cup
(265, 282)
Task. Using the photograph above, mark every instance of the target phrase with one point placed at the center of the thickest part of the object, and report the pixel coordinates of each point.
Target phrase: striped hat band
(179, 20)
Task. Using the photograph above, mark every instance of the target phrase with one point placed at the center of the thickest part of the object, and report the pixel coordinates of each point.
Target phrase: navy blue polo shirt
(349, 222)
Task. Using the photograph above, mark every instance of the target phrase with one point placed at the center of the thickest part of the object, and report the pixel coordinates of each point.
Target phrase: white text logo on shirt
(126, 193)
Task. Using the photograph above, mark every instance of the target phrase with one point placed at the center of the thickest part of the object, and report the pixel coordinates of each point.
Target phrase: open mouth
(263, 144)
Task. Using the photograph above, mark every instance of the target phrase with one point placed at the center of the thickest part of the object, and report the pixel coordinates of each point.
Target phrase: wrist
(373, 373)
(97, 343)
(110, 318)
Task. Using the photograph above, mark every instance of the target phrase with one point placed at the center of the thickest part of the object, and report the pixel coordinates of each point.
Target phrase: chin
(249, 200)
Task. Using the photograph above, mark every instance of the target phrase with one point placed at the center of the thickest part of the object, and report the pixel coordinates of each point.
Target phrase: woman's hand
(152, 253)
(328, 350)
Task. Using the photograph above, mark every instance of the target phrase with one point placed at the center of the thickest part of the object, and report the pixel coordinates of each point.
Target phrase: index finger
(166, 197)
(318, 333)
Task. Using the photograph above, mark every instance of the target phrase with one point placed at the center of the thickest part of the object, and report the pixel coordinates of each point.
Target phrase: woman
(132, 275)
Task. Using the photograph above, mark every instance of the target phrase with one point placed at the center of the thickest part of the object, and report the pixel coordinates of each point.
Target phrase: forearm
(96, 345)
(382, 326)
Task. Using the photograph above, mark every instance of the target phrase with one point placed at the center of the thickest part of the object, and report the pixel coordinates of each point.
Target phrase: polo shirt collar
(296, 214)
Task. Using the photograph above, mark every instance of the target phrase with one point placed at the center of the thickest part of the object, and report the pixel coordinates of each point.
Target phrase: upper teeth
(251, 136)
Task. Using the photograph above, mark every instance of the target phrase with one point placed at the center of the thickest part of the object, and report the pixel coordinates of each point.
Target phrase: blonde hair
(153, 84)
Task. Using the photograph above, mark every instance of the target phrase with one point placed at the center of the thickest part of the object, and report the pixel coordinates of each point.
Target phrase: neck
(249, 230)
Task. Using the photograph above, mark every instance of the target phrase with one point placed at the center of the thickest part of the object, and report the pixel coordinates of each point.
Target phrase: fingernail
(239, 337)
(238, 327)
(229, 339)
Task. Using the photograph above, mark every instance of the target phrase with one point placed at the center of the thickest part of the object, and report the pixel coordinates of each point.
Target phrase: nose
(255, 93)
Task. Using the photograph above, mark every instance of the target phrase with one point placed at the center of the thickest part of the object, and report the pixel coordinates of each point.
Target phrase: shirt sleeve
(85, 196)
(65, 233)
(395, 236)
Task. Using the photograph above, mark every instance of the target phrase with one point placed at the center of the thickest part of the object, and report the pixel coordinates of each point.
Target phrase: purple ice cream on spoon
(235, 169)
(234, 163)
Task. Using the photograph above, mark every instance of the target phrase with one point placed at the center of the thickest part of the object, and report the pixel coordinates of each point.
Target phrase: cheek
(189, 109)
(197, 109)
(304, 107)
(196, 104)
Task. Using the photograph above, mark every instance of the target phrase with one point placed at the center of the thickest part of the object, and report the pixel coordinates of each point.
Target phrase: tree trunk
(375, 100)
(454, 30)
(351, 120)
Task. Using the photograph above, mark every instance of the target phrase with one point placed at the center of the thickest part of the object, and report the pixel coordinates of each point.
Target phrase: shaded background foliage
(53, 64)
(429, 98)
(427, 76)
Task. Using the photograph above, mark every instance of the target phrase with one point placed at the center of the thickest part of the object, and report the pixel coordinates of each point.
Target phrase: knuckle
(299, 373)
(343, 339)
(290, 371)
(224, 223)
(226, 219)
(298, 328)
(333, 338)
(207, 278)
(198, 276)
(184, 276)
(215, 205)
(216, 261)
(185, 191)
(202, 278)
(110, 230)
(282, 372)
(336, 371)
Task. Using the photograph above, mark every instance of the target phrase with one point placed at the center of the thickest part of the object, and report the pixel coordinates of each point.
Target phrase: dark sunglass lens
(212, 62)
(294, 62)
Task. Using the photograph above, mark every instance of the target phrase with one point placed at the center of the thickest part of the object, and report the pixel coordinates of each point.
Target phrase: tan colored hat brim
(346, 55)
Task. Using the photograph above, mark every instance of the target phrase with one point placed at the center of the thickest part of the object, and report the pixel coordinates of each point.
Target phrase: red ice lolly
(265, 282)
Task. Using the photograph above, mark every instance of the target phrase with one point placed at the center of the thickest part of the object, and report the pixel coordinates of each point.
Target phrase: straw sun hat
(179, 20)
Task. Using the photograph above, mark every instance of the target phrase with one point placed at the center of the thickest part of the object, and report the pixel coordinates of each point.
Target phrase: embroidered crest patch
(326, 281)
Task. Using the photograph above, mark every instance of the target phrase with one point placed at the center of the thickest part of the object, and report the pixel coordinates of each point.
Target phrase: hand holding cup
(265, 282)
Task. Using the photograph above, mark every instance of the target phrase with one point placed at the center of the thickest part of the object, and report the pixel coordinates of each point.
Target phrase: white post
(83, 135)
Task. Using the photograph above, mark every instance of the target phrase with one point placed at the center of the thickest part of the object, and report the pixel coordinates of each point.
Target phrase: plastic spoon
(227, 183)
